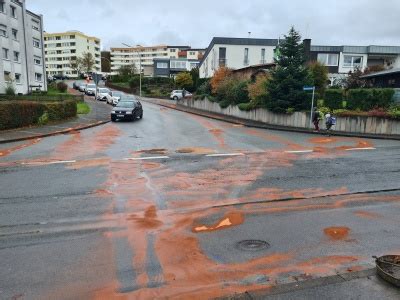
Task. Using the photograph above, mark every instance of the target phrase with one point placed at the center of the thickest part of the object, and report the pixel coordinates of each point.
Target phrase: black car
(76, 85)
(60, 77)
(127, 110)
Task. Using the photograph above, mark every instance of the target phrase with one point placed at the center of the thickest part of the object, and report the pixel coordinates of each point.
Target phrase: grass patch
(82, 108)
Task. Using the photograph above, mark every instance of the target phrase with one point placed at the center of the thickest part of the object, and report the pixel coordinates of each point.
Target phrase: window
(14, 34)
(172, 50)
(36, 43)
(7, 76)
(246, 56)
(35, 24)
(222, 57)
(352, 61)
(16, 56)
(162, 65)
(5, 53)
(263, 55)
(37, 60)
(3, 30)
(13, 11)
(17, 78)
(178, 64)
(2, 6)
(328, 59)
(38, 77)
(72, 37)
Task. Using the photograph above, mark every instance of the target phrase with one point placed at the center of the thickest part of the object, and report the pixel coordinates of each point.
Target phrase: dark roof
(239, 41)
(259, 66)
(382, 73)
(372, 49)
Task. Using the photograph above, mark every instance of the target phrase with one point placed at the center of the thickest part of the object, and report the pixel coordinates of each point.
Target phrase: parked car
(113, 97)
(90, 89)
(60, 77)
(177, 95)
(76, 85)
(127, 110)
(102, 94)
(82, 87)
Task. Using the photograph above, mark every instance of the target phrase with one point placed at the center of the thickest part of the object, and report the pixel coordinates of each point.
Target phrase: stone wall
(364, 125)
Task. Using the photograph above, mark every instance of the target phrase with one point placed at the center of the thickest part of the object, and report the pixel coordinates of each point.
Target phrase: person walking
(329, 122)
(315, 119)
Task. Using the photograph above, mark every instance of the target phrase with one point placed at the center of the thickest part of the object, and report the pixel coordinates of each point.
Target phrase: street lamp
(140, 70)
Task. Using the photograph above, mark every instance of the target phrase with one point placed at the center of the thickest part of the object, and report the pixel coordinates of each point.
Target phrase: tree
(219, 76)
(184, 80)
(258, 87)
(319, 76)
(195, 73)
(76, 65)
(354, 80)
(285, 87)
(127, 71)
(86, 61)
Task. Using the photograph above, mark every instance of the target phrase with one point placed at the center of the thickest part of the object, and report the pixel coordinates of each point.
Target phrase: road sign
(308, 88)
(96, 78)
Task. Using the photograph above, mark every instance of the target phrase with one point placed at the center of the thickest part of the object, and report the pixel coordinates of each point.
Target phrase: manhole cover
(252, 245)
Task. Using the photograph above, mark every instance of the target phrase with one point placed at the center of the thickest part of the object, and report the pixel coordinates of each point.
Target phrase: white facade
(62, 50)
(21, 44)
(236, 53)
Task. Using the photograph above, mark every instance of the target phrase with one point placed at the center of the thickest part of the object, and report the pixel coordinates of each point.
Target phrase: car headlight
(113, 111)
(128, 112)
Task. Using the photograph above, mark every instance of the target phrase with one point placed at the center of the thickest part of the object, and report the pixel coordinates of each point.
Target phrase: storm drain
(252, 245)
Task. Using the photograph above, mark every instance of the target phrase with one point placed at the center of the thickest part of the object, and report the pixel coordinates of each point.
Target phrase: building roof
(372, 49)
(256, 67)
(70, 32)
(137, 49)
(239, 41)
(382, 73)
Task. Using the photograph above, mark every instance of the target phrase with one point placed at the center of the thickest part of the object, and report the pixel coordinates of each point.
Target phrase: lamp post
(140, 69)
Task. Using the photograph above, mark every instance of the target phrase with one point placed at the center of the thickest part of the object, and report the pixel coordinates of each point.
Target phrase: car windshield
(128, 98)
(91, 86)
(104, 91)
(126, 104)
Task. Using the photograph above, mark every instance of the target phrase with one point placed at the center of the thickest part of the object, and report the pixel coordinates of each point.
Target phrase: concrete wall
(367, 125)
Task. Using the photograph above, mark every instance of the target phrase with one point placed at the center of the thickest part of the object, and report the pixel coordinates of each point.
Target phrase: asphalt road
(180, 206)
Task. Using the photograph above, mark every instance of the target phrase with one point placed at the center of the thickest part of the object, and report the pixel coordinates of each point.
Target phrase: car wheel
(141, 115)
(113, 119)
(175, 98)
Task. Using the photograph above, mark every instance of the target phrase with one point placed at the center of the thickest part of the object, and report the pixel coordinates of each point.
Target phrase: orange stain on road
(337, 233)
(8, 151)
(229, 220)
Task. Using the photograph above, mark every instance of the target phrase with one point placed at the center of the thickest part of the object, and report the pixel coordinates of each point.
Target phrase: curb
(255, 124)
(55, 132)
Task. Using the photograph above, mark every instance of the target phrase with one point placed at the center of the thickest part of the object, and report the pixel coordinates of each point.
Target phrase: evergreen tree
(285, 88)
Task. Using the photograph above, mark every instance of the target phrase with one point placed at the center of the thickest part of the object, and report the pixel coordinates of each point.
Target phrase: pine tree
(285, 88)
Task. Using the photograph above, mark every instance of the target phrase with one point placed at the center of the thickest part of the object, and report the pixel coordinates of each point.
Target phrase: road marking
(146, 158)
(224, 154)
(356, 149)
(300, 151)
(49, 162)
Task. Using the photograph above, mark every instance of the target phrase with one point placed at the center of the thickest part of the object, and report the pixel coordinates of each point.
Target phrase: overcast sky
(194, 23)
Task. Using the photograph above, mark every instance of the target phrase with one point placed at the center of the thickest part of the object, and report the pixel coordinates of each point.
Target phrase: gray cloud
(356, 22)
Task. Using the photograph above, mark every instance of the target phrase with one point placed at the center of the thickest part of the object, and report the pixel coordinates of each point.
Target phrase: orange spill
(367, 214)
(8, 151)
(195, 150)
(231, 219)
(337, 233)
(153, 151)
(323, 140)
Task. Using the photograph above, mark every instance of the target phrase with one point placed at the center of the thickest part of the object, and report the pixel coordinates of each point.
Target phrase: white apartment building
(236, 53)
(21, 44)
(143, 56)
(62, 50)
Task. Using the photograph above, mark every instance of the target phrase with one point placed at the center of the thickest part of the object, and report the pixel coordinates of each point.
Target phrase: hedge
(367, 99)
(333, 98)
(14, 114)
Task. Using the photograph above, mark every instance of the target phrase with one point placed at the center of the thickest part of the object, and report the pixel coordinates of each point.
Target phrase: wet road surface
(180, 206)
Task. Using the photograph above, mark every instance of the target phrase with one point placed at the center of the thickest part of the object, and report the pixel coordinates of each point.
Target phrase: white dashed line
(224, 154)
(39, 163)
(356, 149)
(146, 158)
(300, 151)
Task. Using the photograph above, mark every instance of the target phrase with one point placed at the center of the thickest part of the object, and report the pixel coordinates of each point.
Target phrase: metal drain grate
(252, 245)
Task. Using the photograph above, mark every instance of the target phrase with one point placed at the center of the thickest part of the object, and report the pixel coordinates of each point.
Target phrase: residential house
(21, 42)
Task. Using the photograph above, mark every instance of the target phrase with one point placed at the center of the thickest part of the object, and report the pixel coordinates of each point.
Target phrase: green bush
(240, 93)
(368, 99)
(10, 90)
(14, 114)
(246, 106)
(62, 87)
(333, 98)
(204, 88)
(224, 103)
(43, 119)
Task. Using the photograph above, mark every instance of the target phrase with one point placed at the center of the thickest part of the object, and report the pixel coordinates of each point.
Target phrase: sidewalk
(99, 114)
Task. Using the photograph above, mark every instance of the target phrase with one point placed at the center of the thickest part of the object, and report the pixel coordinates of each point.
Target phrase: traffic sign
(308, 88)
(96, 78)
